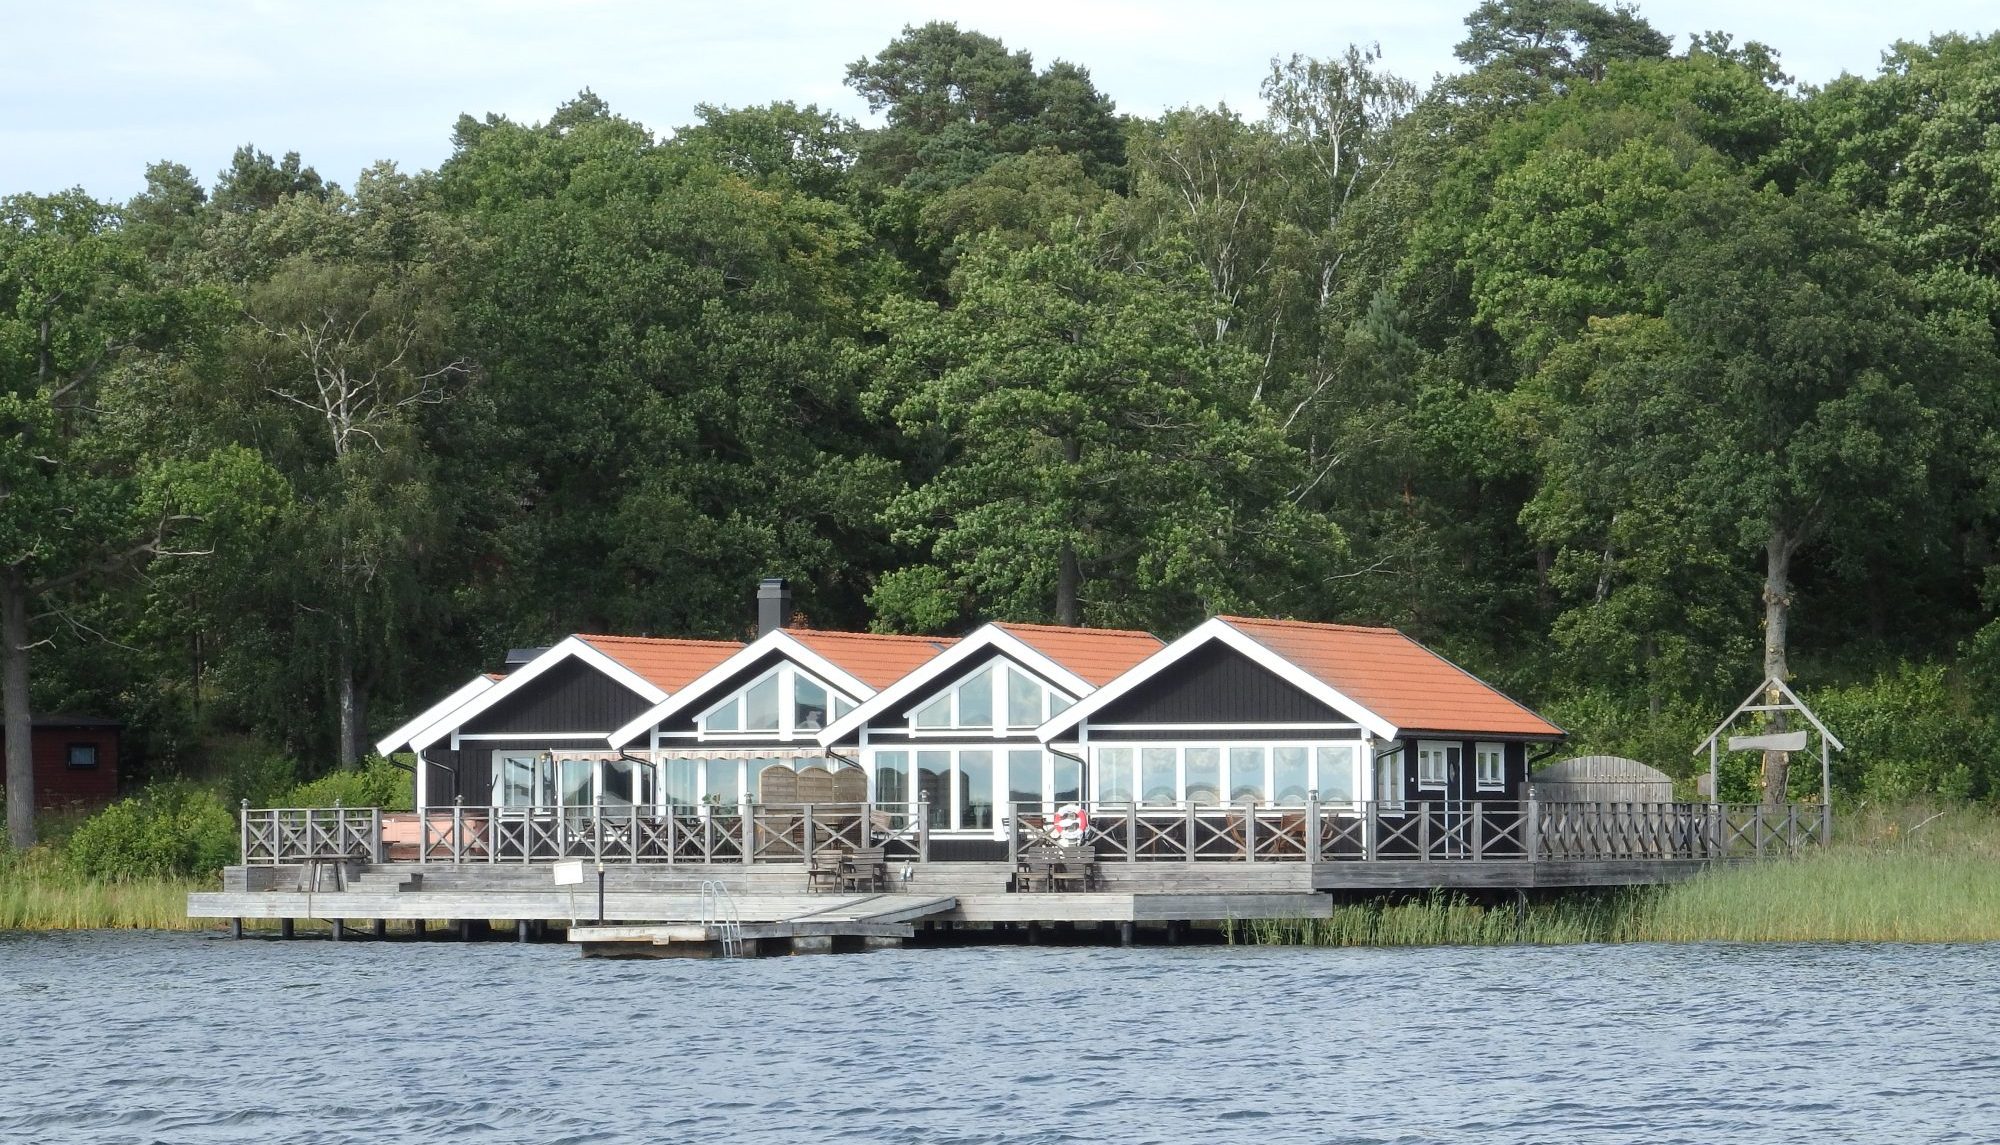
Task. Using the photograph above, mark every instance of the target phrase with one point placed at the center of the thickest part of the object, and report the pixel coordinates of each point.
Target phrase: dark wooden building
(76, 761)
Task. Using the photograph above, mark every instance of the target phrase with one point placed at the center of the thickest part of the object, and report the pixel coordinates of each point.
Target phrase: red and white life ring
(1070, 824)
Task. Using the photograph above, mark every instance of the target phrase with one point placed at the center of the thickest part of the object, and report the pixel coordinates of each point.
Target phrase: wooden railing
(1309, 832)
(274, 835)
(1471, 830)
(761, 833)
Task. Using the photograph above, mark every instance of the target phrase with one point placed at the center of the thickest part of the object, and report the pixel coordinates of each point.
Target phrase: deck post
(807, 853)
(236, 928)
(285, 928)
(1132, 831)
(1314, 844)
(1531, 830)
(1189, 809)
(1791, 828)
(749, 830)
(1424, 831)
(1371, 827)
(924, 829)
(458, 829)
(1125, 933)
(417, 927)
(1478, 830)
(1250, 834)
(1013, 839)
(520, 930)
(380, 928)
(632, 833)
(243, 819)
(339, 929)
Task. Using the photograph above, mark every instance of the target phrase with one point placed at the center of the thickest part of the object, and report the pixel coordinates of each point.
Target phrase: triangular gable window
(999, 691)
(784, 702)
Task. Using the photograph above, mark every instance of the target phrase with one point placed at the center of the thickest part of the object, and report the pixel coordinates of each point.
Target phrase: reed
(1908, 873)
(39, 891)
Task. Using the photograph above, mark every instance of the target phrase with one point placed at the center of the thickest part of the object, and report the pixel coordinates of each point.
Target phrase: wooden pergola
(1758, 703)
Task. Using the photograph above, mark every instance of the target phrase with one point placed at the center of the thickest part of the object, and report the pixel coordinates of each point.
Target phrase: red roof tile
(1098, 655)
(874, 659)
(1395, 677)
(669, 664)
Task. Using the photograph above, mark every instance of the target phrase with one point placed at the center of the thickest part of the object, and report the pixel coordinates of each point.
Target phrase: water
(176, 1038)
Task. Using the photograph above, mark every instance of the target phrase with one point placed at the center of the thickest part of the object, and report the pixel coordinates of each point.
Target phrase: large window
(1244, 774)
(999, 691)
(956, 783)
(783, 703)
(1490, 761)
(579, 785)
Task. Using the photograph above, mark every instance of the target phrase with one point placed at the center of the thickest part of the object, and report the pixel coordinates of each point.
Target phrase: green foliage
(378, 783)
(172, 828)
(1912, 731)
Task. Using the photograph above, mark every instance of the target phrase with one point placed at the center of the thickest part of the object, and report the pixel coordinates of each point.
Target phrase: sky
(91, 91)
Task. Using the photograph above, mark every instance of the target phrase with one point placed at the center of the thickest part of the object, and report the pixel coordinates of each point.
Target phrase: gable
(1012, 697)
(696, 708)
(1216, 684)
(571, 696)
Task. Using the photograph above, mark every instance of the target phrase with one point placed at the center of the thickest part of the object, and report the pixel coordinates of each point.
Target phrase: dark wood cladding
(1216, 685)
(570, 697)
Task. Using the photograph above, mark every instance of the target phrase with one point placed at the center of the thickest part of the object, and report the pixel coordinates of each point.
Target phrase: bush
(1910, 732)
(171, 828)
(378, 783)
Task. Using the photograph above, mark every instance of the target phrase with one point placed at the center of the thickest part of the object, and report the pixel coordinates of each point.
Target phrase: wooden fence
(1311, 832)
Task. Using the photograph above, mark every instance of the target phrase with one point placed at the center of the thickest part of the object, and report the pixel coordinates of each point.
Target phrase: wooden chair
(1034, 869)
(826, 871)
(1075, 869)
(864, 870)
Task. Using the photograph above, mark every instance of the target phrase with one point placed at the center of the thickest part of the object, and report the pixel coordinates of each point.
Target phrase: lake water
(180, 1038)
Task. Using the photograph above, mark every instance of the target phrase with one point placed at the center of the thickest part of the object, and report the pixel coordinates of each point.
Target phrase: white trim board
(777, 640)
(397, 740)
(571, 647)
(989, 636)
(1207, 632)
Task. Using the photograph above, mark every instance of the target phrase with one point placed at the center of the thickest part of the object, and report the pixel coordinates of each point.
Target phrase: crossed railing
(1469, 830)
(310, 834)
(1135, 832)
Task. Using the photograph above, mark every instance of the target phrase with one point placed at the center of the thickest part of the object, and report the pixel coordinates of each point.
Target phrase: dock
(1132, 868)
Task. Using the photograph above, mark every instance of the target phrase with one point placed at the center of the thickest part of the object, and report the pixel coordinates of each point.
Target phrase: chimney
(774, 604)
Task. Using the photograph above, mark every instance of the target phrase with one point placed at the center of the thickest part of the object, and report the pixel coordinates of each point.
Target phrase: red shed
(76, 760)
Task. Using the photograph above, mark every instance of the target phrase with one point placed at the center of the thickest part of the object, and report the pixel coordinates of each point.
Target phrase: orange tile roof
(1098, 655)
(874, 659)
(669, 664)
(1395, 677)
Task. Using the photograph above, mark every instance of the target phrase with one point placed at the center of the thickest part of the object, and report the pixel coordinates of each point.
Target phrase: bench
(864, 869)
(1057, 869)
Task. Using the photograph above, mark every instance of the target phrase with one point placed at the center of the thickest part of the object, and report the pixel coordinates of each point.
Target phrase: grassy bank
(40, 891)
(1908, 874)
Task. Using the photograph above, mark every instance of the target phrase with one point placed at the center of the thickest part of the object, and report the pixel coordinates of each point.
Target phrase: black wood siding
(1465, 785)
(1215, 685)
(570, 697)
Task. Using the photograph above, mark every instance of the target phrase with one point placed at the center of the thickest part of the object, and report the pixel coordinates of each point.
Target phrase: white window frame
(1002, 669)
(1315, 782)
(1434, 750)
(1497, 752)
(1393, 762)
(838, 704)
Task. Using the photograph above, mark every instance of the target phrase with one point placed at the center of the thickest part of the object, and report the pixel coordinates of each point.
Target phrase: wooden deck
(672, 879)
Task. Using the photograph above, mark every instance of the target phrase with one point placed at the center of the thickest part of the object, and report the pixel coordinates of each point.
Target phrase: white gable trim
(776, 640)
(1210, 631)
(944, 664)
(571, 647)
(398, 739)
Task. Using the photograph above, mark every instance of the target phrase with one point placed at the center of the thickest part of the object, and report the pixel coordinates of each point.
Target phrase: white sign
(569, 872)
(1776, 741)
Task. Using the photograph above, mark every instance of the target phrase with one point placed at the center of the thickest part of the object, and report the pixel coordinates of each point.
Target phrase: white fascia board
(1215, 629)
(570, 647)
(777, 640)
(398, 739)
(941, 667)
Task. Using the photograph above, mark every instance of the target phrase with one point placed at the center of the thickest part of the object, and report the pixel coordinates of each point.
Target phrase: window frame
(1481, 752)
(1134, 768)
(69, 756)
(788, 675)
(1439, 750)
(1002, 672)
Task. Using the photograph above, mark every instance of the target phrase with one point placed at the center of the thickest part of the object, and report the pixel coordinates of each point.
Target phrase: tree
(78, 503)
(1092, 460)
(1557, 43)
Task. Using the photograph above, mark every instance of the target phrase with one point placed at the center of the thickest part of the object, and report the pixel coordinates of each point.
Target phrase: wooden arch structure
(1799, 740)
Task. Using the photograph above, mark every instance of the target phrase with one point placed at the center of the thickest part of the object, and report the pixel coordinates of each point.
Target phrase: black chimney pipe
(774, 604)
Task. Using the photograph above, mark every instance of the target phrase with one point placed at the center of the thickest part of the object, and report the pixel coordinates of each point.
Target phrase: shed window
(1491, 763)
(82, 757)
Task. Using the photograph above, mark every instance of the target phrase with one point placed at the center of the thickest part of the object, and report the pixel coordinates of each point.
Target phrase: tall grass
(1897, 874)
(40, 891)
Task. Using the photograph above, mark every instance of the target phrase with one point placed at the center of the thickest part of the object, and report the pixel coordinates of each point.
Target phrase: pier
(699, 879)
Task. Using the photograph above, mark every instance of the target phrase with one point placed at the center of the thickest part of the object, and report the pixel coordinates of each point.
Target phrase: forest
(1620, 367)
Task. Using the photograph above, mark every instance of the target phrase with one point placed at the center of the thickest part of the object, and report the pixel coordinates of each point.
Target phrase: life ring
(1070, 823)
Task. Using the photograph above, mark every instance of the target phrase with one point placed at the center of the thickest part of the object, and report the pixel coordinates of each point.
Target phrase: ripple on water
(143, 1038)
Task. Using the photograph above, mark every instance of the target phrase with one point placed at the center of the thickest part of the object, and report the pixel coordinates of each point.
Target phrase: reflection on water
(173, 1038)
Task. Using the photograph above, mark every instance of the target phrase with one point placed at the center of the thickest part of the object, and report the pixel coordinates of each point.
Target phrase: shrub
(378, 783)
(171, 828)
(1910, 732)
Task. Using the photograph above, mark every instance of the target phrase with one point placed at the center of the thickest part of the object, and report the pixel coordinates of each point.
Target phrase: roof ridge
(865, 635)
(1320, 624)
(1077, 628)
(657, 639)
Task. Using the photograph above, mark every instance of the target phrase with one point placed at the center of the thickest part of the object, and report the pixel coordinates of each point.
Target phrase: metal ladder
(718, 910)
